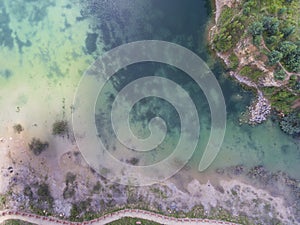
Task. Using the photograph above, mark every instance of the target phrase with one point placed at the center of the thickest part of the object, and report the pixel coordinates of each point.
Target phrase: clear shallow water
(47, 45)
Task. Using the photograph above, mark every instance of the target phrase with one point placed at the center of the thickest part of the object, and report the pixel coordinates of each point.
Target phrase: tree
(290, 124)
(291, 55)
(287, 48)
(257, 40)
(270, 25)
(274, 57)
(271, 40)
(279, 74)
(246, 8)
(256, 28)
(287, 30)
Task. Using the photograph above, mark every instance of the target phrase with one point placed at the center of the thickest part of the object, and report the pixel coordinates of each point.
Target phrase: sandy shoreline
(232, 194)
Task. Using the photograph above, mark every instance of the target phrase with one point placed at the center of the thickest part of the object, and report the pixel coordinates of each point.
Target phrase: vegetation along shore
(259, 41)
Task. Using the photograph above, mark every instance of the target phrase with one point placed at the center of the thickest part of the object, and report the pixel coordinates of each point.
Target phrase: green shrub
(234, 61)
(18, 128)
(291, 55)
(282, 100)
(78, 210)
(226, 15)
(2, 201)
(279, 74)
(271, 25)
(257, 40)
(274, 57)
(37, 146)
(248, 6)
(60, 128)
(229, 34)
(287, 30)
(44, 194)
(28, 192)
(68, 192)
(272, 42)
(70, 178)
(256, 28)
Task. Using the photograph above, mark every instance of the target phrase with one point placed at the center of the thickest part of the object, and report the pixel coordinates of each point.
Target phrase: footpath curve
(136, 213)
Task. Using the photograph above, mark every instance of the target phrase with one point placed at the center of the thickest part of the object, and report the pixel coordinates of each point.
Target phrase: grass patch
(2, 201)
(16, 222)
(231, 27)
(229, 34)
(252, 72)
(234, 61)
(225, 16)
(129, 220)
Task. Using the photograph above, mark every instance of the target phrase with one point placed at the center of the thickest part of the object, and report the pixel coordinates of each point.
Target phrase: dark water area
(185, 23)
(181, 22)
(121, 22)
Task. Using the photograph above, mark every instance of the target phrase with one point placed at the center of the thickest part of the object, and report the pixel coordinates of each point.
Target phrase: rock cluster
(259, 111)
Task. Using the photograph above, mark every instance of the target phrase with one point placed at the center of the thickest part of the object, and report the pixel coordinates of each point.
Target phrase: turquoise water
(47, 45)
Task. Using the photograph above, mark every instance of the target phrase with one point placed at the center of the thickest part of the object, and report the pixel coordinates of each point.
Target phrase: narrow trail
(135, 213)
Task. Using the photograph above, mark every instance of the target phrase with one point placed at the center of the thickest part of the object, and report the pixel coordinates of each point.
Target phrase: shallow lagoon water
(47, 45)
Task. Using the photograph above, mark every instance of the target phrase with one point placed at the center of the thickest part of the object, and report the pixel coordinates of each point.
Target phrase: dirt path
(41, 220)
